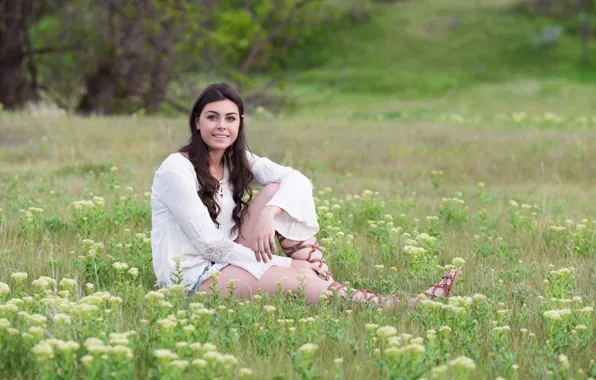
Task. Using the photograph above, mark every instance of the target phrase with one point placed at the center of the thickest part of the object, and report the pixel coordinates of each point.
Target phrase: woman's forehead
(221, 107)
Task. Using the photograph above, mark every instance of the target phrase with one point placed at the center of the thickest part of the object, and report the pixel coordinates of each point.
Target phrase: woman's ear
(197, 122)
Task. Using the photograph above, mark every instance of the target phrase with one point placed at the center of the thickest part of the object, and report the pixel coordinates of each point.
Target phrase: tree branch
(176, 105)
(250, 9)
(52, 49)
(31, 66)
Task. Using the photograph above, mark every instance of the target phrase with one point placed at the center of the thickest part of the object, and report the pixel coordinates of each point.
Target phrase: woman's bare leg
(246, 285)
(255, 206)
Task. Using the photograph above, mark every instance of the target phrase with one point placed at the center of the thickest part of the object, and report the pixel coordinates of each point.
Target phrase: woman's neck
(216, 158)
(216, 165)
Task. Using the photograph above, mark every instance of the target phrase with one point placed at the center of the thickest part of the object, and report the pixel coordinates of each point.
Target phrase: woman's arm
(177, 190)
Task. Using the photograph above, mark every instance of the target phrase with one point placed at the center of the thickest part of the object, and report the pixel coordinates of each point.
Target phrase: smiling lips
(220, 137)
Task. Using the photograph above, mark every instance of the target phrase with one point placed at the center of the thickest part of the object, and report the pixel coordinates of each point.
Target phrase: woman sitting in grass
(205, 219)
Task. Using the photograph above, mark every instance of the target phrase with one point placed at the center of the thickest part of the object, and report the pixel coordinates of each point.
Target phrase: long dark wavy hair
(234, 157)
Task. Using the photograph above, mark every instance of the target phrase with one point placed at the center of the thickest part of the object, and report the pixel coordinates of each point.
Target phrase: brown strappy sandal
(326, 274)
(446, 285)
(367, 294)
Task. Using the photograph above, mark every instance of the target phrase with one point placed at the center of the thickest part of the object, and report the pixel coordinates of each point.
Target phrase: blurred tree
(18, 69)
(15, 89)
(122, 55)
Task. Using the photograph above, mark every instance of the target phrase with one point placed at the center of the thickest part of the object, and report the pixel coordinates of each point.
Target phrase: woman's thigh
(247, 285)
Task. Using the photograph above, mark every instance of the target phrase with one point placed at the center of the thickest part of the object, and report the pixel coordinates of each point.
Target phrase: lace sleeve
(218, 251)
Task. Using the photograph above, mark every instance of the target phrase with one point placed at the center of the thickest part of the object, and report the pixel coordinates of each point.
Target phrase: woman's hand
(264, 234)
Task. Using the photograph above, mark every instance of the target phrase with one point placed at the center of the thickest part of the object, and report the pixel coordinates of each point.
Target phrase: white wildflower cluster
(200, 312)
(411, 250)
(560, 283)
(31, 213)
(209, 356)
(548, 118)
(92, 248)
(44, 282)
(368, 194)
(461, 365)
(463, 362)
(501, 329)
(88, 205)
(452, 200)
(395, 346)
(561, 314)
(120, 267)
(457, 305)
(554, 315)
(558, 228)
(117, 347)
(19, 277)
(386, 223)
(306, 320)
(68, 284)
(426, 239)
(562, 272)
(308, 348)
(133, 272)
(143, 238)
(4, 289)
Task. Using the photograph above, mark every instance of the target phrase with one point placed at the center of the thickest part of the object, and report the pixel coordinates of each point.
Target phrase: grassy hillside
(467, 56)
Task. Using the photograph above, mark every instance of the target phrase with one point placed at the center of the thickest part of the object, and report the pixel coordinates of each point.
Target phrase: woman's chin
(219, 145)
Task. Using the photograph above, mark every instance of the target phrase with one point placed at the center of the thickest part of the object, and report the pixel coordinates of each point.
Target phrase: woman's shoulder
(175, 162)
(252, 158)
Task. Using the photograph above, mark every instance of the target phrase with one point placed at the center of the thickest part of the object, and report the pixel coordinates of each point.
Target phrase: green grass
(458, 56)
(49, 162)
(420, 104)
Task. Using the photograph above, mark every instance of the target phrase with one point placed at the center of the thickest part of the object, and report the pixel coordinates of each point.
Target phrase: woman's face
(218, 124)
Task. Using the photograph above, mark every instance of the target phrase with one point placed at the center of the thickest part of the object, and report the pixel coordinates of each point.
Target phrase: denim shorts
(212, 267)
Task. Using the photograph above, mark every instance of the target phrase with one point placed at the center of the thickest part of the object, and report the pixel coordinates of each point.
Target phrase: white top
(182, 227)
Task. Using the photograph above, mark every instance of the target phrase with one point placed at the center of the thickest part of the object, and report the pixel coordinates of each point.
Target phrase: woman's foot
(443, 288)
(364, 296)
(307, 251)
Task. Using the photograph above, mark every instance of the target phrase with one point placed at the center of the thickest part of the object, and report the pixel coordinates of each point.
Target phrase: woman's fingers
(257, 253)
(261, 248)
(272, 246)
(266, 249)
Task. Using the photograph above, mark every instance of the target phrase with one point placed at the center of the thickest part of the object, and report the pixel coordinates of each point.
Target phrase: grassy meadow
(399, 202)
(459, 143)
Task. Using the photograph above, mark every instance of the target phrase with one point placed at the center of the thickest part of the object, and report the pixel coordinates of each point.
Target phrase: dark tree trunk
(117, 76)
(15, 89)
(160, 75)
(101, 88)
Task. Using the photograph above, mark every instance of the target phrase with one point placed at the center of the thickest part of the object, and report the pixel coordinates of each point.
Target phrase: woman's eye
(211, 117)
(231, 118)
